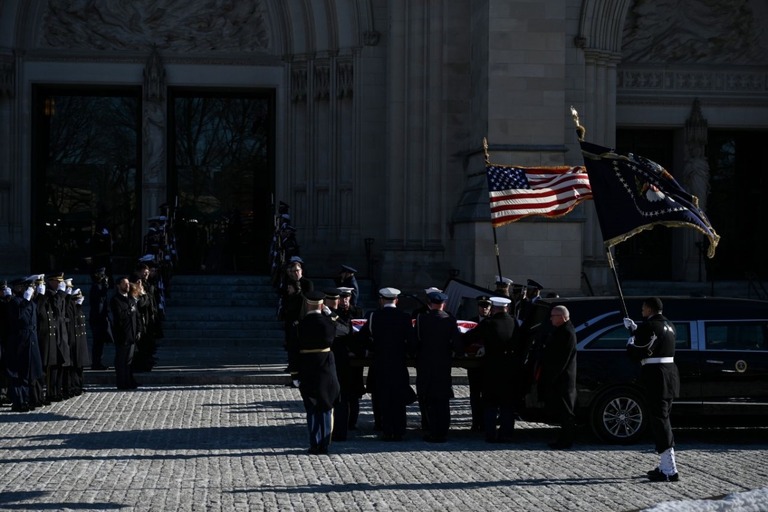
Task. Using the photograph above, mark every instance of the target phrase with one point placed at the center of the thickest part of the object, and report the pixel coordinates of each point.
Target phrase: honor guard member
(424, 308)
(347, 279)
(316, 366)
(98, 317)
(56, 358)
(291, 306)
(46, 334)
(437, 338)
(558, 376)
(80, 355)
(126, 328)
(475, 375)
(653, 344)
(389, 334)
(342, 359)
(503, 285)
(23, 362)
(6, 296)
(355, 385)
(499, 370)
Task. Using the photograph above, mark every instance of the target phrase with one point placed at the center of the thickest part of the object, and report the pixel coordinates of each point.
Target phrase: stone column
(695, 180)
(154, 138)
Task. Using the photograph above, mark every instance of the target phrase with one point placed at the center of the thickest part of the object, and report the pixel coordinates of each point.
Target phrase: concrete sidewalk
(229, 447)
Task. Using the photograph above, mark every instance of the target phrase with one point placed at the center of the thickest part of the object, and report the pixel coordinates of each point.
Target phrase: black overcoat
(557, 384)
(389, 335)
(437, 337)
(319, 385)
(501, 366)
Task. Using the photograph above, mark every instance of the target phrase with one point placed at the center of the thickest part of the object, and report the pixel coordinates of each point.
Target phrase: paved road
(242, 447)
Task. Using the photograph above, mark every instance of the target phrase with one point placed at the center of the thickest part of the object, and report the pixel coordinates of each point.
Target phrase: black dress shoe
(658, 476)
(434, 439)
(560, 445)
(313, 450)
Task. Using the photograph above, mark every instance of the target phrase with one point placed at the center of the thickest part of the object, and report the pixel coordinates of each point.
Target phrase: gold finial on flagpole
(580, 130)
(485, 150)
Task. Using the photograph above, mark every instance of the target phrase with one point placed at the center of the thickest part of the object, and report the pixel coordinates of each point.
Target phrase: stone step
(215, 337)
(237, 312)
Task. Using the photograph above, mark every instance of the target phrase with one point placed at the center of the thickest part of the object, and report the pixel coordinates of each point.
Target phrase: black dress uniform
(126, 326)
(81, 358)
(319, 385)
(389, 332)
(57, 358)
(98, 318)
(437, 337)
(653, 345)
(558, 381)
(350, 377)
(501, 369)
(23, 355)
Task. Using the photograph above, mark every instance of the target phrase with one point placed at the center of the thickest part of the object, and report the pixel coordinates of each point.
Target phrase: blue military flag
(632, 193)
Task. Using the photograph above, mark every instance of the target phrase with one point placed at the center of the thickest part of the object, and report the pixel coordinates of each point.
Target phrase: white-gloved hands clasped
(630, 324)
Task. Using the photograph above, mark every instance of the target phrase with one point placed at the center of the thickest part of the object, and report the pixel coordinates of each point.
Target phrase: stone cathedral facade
(367, 118)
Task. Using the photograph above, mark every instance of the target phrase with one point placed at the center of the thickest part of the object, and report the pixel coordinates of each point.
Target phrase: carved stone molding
(687, 81)
(345, 79)
(322, 81)
(299, 84)
(695, 31)
(185, 26)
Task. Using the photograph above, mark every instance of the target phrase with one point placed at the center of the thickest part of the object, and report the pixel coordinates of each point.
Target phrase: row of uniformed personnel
(44, 346)
(43, 334)
(389, 336)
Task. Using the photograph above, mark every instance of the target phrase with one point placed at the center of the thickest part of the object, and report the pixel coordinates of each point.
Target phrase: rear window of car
(616, 338)
(749, 335)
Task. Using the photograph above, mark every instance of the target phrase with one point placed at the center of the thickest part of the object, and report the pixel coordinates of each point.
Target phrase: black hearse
(722, 356)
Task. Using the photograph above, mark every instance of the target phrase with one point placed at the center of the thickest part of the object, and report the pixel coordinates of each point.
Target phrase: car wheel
(619, 417)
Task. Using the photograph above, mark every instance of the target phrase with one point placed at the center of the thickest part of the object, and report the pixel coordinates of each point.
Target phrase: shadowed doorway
(222, 178)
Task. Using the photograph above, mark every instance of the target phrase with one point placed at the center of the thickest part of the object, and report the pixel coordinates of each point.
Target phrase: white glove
(28, 293)
(62, 286)
(296, 383)
(80, 301)
(326, 310)
(7, 292)
(480, 352)
(630, 324)
(631, 341)
(41, 289)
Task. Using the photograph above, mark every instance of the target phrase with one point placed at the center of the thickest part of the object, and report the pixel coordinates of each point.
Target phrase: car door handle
(712, 361)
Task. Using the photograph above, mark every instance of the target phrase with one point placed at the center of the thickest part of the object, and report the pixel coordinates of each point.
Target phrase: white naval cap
(389, 293)
(431, 289)
(500, 302)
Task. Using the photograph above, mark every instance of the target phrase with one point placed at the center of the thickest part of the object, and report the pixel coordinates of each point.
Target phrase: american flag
(517, 192)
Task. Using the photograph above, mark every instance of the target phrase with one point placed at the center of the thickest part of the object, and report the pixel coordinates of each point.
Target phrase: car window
(736, 335)
(616, 338)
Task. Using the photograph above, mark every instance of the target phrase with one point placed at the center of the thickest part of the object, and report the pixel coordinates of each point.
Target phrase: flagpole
(495, 240)
(616, 278)
(580, 133)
